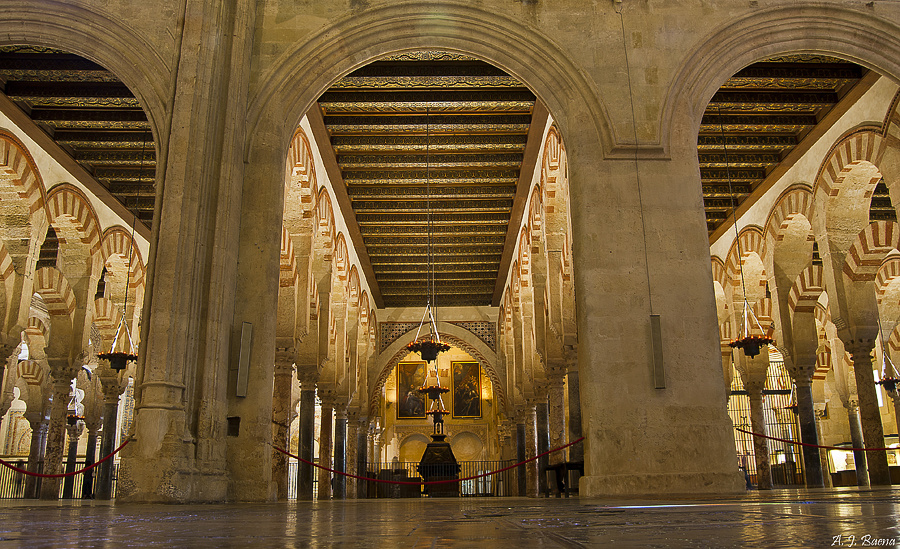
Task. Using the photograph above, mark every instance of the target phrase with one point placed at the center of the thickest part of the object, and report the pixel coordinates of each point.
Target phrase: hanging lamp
(746, 340)
(118, 360)
(428, 348)
(889, 377)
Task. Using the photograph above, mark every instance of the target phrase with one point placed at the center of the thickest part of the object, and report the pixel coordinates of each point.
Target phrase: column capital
(327, 396)
(307, 374)
(285, 357)
(860, 349)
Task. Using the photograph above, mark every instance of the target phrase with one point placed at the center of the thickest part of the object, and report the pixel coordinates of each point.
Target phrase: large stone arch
(303, 72)
(103, 39)
(450, 333)
(805, 27)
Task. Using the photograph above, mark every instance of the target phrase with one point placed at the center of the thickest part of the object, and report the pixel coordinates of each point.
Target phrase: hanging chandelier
(889, 377)
(750, 343)
(428, 348)
(118, 360)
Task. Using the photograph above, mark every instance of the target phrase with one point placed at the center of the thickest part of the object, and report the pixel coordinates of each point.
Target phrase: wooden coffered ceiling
(91, 115)
(431, 137)
(763, 119)
(463, 126)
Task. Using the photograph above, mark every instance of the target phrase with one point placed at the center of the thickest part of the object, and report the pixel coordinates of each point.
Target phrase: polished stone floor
(782, 518)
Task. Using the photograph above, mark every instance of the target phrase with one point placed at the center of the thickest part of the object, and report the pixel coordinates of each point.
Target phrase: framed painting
(466, 389)
(410, 402)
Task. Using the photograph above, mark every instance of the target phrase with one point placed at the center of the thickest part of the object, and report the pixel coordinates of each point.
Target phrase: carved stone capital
(285, 357)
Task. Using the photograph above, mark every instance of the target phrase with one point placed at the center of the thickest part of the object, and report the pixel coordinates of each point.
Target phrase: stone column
(531, 468)
(507, 439)
(281, 418)
(556, 393)
(362, 439)
(307, 425)
(39, 425)
(113, 384)
(753, 374)
(812, 465)
(576, 451)
(352, 459)
(90, 457)
(57, 431)
(856, 438)
(823, 454)
(521, 481)
(379, 446)
(870, 414)
(340, 451)
(542, 430)
(325, 444)
(73, 431)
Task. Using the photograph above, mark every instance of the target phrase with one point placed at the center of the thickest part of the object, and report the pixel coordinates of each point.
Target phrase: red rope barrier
(813, 445)
(421, 483)
(73, 473)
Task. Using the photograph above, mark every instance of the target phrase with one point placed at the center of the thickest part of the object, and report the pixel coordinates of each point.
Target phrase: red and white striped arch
(54, 289)
(70, 203)
(806, 290)
(117, 241)
(869, 250)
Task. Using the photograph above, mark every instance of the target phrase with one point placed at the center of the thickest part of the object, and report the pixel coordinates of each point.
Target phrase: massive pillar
(325, 444)
(340, 451)
(870, 414)
(56, 434)
(362, 455)
(307, 426)
(640, 252)
(281, 419)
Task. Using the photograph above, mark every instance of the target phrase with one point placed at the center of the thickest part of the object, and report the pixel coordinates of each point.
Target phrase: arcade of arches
(236, 190)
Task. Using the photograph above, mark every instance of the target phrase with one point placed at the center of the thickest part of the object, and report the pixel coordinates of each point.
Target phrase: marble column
(531, 436)
(73, 432)
(753, 374)
(39, 425)
(576, 451)
(542, 430)
(56, 435)
(90, 457)
(113, 384)
(823, 454)
(806, 414)
(352, 459)
(895, 397)
(378, 447)
(340, 451)
(521, 481)
(556, 392)
(307, 426)
(281, 417)
(870, 414)
(325, 444)
(362, 454)
(856, 439)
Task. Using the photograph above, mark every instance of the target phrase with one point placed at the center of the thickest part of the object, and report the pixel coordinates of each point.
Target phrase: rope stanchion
(59, 475)
(813, 445)
(423, 483)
